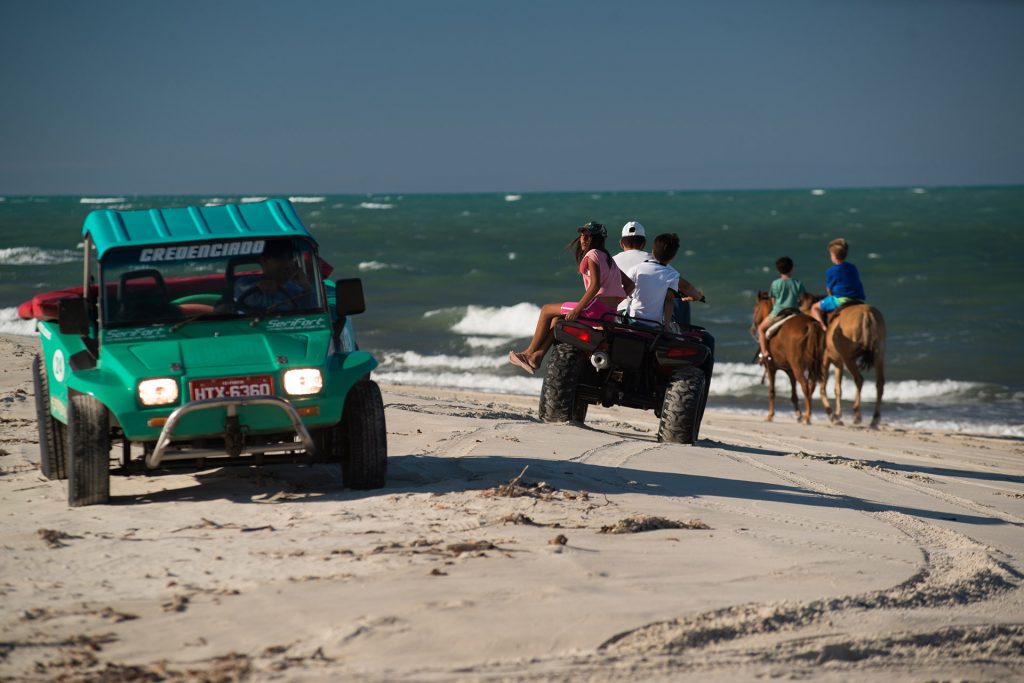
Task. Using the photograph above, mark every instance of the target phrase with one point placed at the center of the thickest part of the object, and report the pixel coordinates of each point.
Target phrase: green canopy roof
(271, 218)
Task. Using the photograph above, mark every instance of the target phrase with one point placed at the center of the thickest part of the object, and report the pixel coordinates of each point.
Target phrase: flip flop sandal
(520, 360)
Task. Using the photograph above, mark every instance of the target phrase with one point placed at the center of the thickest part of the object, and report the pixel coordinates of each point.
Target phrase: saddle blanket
(774, 327)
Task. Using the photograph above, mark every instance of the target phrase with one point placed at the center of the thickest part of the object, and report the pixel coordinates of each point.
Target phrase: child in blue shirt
(842, 282)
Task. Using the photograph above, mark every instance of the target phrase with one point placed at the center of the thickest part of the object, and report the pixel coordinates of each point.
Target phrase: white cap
(633, 229)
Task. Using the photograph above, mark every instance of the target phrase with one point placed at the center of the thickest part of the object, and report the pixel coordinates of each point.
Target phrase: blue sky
(188, 97)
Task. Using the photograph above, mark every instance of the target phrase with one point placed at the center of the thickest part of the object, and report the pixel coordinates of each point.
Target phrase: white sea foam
(487, 342)
(744, 379)
(375, 205)
(378, 265)
(494, 384)
(306, 200)
(959, 426)
(101, 200)
(511, 256)
(817, 193)
(919, 190)
(513, 197)
(963, 427)
(10, 323)
(252, 200)
(410, 359)
(35, 256)
(501, 321)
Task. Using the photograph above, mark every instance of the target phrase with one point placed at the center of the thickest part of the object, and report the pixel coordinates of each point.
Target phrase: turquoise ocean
(453, 281)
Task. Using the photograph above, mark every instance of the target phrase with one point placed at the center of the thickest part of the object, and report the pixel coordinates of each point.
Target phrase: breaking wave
(35, 256)
(492, 384)
(10, 323)
(101, 200)
(745, 379)
(500, 321)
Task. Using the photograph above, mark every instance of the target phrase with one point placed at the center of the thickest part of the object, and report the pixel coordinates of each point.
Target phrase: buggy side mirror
(349, 296)
(73, 316)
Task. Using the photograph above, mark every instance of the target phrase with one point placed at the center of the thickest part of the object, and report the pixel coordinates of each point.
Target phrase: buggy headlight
(158, 392)
(303, 381)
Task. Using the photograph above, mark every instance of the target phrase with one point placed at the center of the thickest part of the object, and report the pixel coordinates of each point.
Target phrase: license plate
(231, 387)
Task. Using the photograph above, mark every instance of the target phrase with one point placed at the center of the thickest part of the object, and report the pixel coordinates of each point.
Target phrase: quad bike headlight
(303, 381)
(158, 392)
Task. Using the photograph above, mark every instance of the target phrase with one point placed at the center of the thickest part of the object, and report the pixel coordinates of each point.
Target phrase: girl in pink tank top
(605, 286)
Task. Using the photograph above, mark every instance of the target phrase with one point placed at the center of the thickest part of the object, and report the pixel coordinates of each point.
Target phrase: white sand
(832, 554)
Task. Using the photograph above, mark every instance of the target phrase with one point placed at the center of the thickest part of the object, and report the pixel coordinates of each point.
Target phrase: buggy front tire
(53, 454)
(681, 410)
(362, 443)
(88, 451)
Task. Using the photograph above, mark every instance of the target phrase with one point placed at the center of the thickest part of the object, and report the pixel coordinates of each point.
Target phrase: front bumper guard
(159, 453)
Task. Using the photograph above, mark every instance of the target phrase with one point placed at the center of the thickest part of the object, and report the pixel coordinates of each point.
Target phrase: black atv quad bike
(631, 363)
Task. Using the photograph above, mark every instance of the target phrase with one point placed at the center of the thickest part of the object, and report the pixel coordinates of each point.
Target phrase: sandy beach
(507, 549)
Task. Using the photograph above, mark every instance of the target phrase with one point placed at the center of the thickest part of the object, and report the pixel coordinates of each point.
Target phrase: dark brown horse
(796, 348)
(855, 340)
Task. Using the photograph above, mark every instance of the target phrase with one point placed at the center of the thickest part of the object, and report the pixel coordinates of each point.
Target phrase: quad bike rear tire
(558, 397)
(681, 410)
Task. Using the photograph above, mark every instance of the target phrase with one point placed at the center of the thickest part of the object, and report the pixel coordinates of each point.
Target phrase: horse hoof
(837, 421)
(769, 418)
(874, 423)
(856, 420)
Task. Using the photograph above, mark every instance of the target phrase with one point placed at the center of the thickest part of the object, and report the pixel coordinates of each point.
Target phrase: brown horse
(855, 339)
(796, 348)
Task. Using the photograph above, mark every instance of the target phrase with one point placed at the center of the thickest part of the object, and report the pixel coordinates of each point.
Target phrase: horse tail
(817, 348)
(872, 331)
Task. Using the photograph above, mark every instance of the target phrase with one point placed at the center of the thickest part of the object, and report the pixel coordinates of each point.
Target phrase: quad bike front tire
(88, 451)
(558, 402)
(682, 408)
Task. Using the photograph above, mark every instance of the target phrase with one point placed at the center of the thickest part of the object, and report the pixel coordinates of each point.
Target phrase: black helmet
(593, 229)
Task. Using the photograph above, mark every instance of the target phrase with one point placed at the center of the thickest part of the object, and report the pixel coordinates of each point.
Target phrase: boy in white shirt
(633, 241)
(656, 283)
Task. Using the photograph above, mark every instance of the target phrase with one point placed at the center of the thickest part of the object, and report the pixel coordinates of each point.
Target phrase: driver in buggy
(282, 285)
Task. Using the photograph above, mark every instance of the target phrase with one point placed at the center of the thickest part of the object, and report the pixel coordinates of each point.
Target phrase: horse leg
(770, 371)
(879, 388)
(858, 380)
(822, 391)
(808, 389)
(837, 416)
(792, 391)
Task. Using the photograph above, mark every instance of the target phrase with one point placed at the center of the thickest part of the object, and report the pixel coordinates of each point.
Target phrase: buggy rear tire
(362, 442)
(88, 451)
(53, 449)
(682, 408)
(558, 402)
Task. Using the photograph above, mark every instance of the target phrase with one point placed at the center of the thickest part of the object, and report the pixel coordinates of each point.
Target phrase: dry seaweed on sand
(54, 538)
(638, 523)
(472, 546)
(517, 488)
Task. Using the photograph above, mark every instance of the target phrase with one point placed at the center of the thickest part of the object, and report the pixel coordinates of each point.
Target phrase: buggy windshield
(210, 280)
